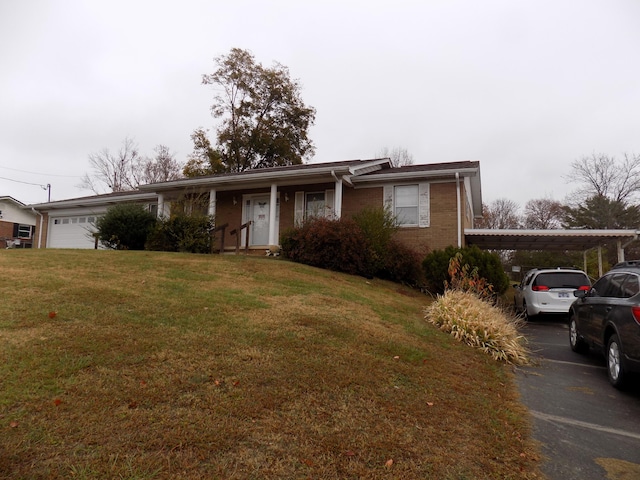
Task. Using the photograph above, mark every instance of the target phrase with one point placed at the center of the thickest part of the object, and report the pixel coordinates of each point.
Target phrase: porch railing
(237, 232)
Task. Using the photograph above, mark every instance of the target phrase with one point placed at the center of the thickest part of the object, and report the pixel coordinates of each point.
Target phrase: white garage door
(71, 232)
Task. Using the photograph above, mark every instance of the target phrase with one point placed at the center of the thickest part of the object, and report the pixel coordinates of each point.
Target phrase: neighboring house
(434, 203)
(17, 224)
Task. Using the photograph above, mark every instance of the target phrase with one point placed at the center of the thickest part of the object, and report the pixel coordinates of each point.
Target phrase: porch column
(337, 201)
(272, 214)
(212, 203)
(163, 208)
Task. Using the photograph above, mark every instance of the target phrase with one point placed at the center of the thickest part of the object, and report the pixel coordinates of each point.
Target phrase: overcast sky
(524, 87)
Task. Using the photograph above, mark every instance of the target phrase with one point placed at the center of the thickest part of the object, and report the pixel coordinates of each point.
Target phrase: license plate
(563, 295)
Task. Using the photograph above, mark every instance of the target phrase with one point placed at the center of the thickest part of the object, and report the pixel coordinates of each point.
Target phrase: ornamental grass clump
(479, 324)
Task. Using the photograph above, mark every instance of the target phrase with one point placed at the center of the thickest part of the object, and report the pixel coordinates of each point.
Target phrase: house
(434, 203)
(17, 224)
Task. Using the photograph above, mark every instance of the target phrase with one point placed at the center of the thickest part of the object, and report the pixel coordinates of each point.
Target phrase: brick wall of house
(356, 199)
(442, 230)
(6, 231)
(441, 233)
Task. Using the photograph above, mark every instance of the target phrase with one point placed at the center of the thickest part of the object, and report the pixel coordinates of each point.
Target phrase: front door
(257, 209)
(259, 214)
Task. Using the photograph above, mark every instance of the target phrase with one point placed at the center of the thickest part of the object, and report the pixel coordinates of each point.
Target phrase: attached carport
(552, 240)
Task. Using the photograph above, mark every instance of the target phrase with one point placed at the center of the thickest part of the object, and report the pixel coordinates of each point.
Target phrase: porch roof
(285, 175)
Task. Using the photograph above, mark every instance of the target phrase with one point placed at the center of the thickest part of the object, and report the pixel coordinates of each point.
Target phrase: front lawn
(141, 365)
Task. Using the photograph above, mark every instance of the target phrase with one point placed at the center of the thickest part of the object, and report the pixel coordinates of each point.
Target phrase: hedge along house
(434, 203)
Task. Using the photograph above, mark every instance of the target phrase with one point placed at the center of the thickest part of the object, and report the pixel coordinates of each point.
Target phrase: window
(630, 287)
(406, 204)
(24, 231)
(315, 205)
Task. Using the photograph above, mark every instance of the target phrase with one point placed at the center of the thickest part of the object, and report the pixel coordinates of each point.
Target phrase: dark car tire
(615, 368)
(525, 313)
(577, 344)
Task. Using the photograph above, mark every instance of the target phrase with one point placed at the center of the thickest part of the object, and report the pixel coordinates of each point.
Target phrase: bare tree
(600, 175)
(543, 214)
(127, 169)
(398, 156)
(500, 214)
(162, 168)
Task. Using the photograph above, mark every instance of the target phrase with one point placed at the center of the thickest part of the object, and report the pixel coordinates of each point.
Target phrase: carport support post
(599, 261)
(620, 252)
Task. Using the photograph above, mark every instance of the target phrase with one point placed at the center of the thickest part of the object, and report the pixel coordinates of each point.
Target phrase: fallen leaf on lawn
(13, 424)
(52, 314)
(430, 404)
(143, 383)
(133, 404)
(349, 453)
(388, 463)
(57, 402)
(397, 357)
(307, 462)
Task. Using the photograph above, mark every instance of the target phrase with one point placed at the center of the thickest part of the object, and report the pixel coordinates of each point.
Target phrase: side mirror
(580, 293)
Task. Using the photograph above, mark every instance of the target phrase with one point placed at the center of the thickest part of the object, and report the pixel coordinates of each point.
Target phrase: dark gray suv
(607, 318)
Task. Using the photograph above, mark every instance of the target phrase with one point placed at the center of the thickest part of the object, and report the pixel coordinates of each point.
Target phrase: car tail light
(636, 314)
(540, 288)
(584, 287)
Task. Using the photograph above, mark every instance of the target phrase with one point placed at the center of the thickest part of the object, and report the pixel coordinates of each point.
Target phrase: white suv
(548, 290)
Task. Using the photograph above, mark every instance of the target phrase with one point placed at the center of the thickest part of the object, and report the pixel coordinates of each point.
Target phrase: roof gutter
(251, 177)
(98, 200)
(412, 175)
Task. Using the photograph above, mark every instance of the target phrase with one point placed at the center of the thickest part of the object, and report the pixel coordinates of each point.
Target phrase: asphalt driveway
(587, 428)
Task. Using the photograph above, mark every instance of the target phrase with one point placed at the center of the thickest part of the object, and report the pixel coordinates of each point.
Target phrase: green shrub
(389, 258)
(489, 267)
(338, 245)
(182, 233)
(125, 226)
(379, 225)
(478, 324)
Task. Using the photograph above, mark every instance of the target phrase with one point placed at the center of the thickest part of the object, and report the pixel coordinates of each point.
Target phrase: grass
(162, 366)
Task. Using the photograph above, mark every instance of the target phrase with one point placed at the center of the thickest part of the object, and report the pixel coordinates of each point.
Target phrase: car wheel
(525, 313)
(615, 369)
(577, 344)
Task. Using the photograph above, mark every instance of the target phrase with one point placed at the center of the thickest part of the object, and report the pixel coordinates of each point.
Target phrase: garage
(71, 223)
(72, 232)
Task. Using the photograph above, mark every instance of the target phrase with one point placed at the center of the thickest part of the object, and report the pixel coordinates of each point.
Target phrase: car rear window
(561, 280)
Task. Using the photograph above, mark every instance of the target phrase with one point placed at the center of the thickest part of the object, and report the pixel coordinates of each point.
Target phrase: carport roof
(490, 239)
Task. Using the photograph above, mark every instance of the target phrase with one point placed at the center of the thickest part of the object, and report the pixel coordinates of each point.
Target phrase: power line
(39, 173)
(44, 187)
(26, 183)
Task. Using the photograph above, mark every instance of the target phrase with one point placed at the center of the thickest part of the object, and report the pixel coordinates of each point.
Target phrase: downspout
(337, 200)
(40, 229)
(459, 213)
